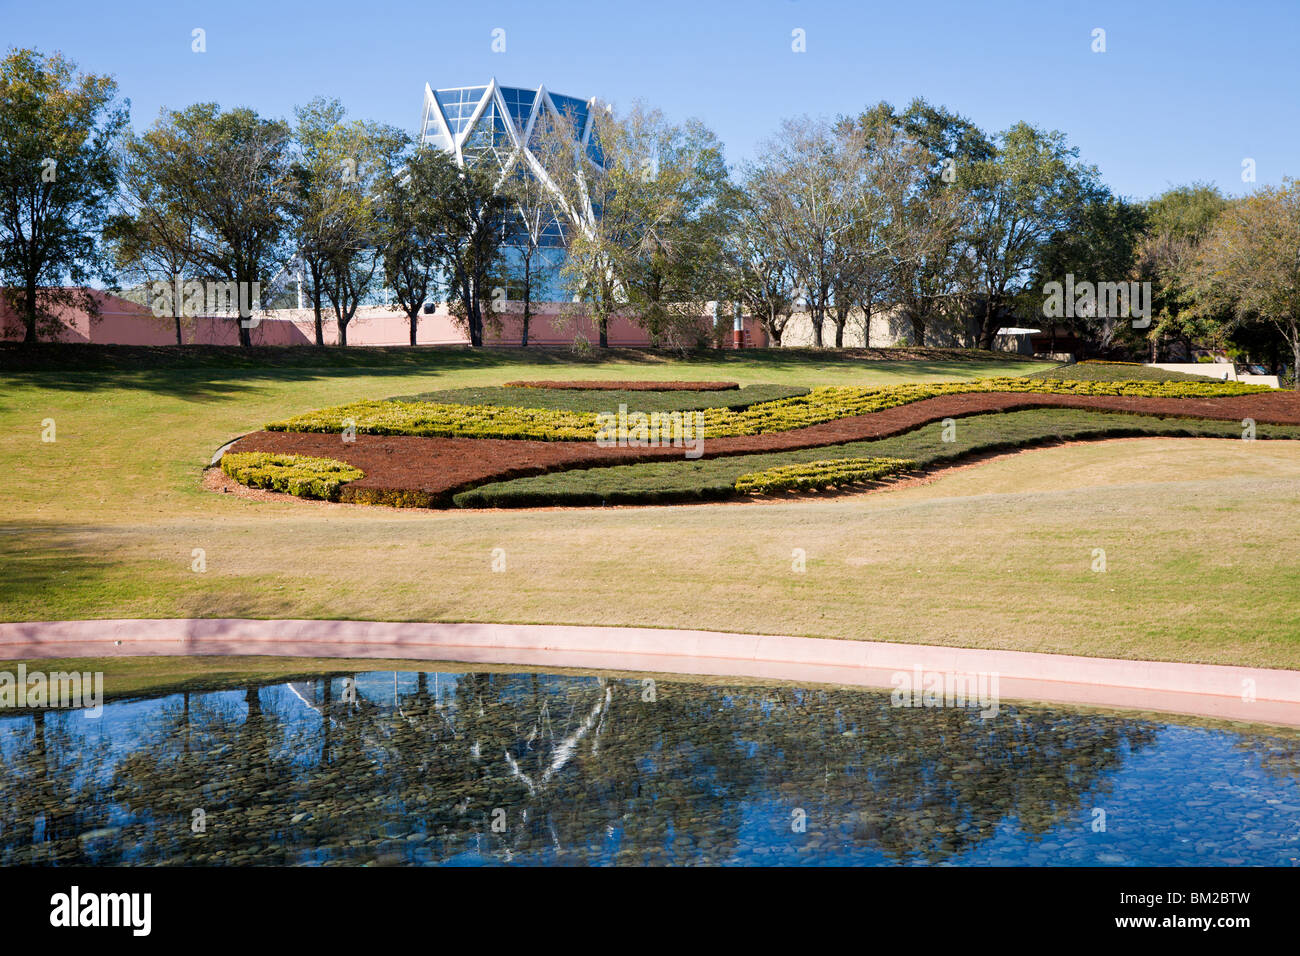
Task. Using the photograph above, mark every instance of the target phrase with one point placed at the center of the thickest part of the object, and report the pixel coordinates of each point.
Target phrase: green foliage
(300, 475)
(57, 178)
(432, 419)
(1249, 265)
(827, 473)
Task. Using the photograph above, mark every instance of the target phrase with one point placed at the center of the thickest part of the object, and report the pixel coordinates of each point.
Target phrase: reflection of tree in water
(585, 770)
(48, 797)
(935, 781)
(1279, 756)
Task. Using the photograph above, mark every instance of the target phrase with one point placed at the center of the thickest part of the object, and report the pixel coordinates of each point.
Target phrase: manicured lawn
(1115, 372)
(714, 478)
(104, 522)
(601, 400)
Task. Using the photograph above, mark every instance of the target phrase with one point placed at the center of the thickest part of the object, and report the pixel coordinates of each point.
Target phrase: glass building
(496, 125)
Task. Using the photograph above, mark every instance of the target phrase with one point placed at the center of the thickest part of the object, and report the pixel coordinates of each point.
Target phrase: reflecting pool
(533, 768)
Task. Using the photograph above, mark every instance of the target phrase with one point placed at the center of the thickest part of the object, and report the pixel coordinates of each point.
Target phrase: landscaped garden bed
(416, 452)
(819, 406)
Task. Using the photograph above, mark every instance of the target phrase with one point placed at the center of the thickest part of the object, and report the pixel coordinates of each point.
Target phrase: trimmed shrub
(829, 473)
(300, 475)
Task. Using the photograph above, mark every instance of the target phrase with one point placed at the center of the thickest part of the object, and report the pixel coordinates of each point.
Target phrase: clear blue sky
(1184, 91)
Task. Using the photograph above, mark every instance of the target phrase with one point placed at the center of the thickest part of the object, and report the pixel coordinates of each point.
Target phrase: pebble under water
(533, 768)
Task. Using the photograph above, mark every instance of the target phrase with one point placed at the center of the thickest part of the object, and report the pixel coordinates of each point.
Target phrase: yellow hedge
(820, 474)
(300, 475)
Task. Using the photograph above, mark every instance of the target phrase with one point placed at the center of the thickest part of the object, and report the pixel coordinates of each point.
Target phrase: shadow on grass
(219, 373)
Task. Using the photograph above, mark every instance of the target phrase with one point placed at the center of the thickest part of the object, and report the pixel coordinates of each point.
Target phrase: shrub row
(300, 475)
(813, 475)
(433, 419)
(820, 405)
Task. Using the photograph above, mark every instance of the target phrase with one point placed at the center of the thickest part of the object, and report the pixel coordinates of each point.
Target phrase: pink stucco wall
(124, 323)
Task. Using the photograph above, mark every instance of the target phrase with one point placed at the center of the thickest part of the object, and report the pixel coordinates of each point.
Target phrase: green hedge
(300, 475)
(814, 475)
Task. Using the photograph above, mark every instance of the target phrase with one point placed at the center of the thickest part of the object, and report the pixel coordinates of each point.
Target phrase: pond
(474, 769)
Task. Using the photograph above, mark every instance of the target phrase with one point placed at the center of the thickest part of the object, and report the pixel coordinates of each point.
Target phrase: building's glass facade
(497, 124)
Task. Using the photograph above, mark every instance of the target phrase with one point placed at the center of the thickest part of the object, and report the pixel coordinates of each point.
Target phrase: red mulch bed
(630, 386)
(436, 468)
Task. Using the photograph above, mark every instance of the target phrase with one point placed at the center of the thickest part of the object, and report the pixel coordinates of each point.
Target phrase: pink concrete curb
(1253, 695)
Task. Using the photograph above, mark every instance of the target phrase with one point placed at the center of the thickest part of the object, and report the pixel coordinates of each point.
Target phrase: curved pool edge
(1242, 694)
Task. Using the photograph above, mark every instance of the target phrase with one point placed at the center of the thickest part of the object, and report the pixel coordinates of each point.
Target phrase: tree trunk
(320, 327)
(180, 340)
(918, 330)
(245, 333)
(414, 318)
(1295, 356)
(604, 332)
(528, 303)
(989, 326)
(839, 334)
(29, 313)
(817, 328)
(343, 332)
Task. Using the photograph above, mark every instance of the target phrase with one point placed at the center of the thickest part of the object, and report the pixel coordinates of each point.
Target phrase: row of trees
(917, 213)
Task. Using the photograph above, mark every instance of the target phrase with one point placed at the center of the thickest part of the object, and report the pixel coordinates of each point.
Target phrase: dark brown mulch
(637, 386)
(436, 468)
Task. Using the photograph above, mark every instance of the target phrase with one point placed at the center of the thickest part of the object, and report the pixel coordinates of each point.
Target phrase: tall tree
(468, 219)
(534, 232)
(317, 197)
(1166, 254)
(1249, 262)
(229, 175)
(807, 177)
(412, 267)
(152, 239)
(679, 206)
(1025, 193)
(57, 179)
(759, 276)
(365, 155)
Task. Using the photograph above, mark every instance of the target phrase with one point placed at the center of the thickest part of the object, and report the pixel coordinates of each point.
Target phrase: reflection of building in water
(534, 758)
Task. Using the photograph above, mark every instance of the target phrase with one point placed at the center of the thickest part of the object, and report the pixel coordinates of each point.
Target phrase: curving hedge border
(824, 404)
(300, 475)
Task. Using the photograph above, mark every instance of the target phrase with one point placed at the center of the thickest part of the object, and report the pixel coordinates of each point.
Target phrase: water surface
(533, 768)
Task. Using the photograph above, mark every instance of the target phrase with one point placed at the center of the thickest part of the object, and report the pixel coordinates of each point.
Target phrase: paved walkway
(1252, 695)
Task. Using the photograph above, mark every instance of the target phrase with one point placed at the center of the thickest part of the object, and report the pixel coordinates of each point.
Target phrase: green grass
(602, 400)
(715, 478)
(1114, 372)
(104, 522)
